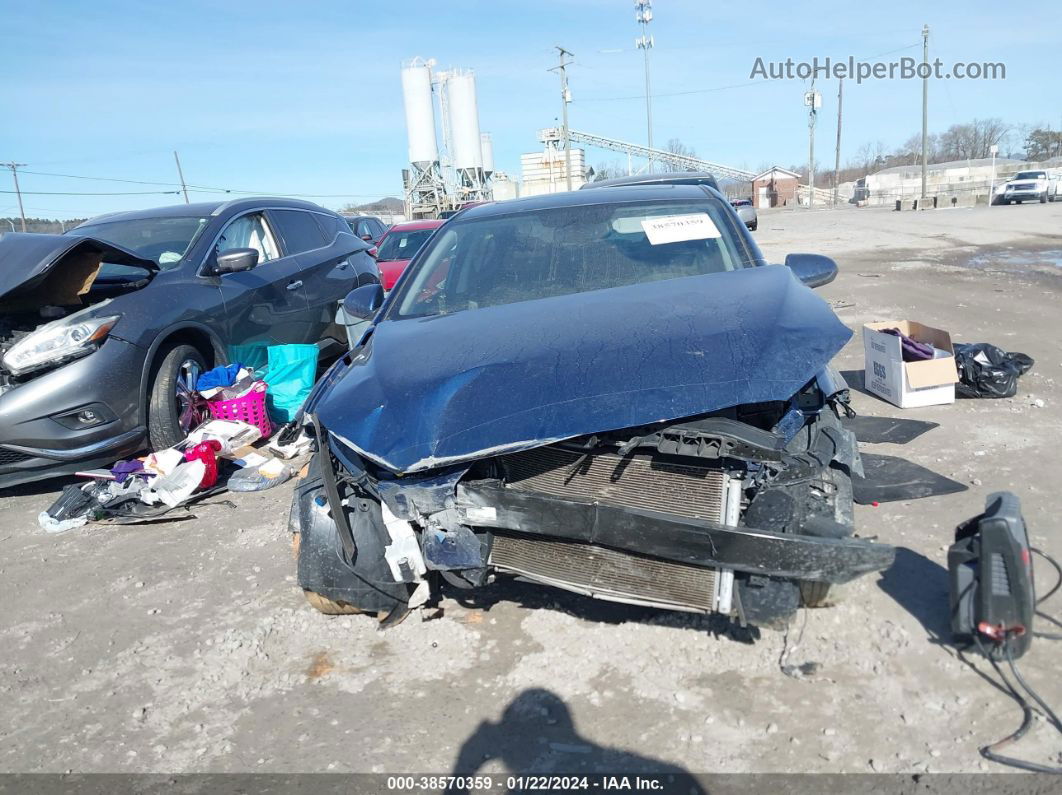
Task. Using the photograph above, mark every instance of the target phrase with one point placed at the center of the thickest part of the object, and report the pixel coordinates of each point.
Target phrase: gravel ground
(186, 647)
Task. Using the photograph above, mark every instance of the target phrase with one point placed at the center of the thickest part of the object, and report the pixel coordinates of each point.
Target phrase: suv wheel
(174, 408)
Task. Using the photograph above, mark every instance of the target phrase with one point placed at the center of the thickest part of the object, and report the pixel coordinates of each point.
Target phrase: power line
(100, 179)
(657, 95)
(72, 193)
(197, 188)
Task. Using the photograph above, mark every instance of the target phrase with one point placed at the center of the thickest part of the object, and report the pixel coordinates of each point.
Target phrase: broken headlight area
(26, 351)
(742, 512)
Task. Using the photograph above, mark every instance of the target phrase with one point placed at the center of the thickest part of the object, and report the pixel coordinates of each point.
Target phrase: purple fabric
(911, 350)
(123, 470)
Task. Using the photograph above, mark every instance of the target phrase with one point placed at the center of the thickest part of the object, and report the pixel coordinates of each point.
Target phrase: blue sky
(305, 97)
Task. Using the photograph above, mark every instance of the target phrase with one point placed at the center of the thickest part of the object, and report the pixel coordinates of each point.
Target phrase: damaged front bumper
(40, 433)
(469, 529)
(674, 538)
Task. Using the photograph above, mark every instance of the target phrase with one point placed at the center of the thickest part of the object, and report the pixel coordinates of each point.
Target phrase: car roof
(203, 209)
(665, 178)
(580, 198)
(423, 223)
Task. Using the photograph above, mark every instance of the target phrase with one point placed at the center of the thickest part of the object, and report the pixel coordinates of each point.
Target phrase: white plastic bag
(176, 487)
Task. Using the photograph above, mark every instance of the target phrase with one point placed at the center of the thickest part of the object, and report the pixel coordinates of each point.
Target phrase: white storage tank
(487, 147)
(464, 120)
(420, 112)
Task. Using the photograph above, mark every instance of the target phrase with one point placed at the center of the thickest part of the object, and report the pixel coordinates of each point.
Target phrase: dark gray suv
(105, 330)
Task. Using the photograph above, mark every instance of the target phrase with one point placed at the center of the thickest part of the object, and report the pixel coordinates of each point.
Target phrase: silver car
(746, 212)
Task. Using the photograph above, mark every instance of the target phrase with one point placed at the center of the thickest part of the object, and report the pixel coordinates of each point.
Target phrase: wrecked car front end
(674, 443)
(66, 382)
(717, 514)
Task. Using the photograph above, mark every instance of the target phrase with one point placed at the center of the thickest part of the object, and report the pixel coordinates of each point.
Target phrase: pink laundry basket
(249, 408)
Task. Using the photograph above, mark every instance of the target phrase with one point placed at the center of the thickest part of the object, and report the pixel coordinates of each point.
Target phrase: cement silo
(420, 112)
(423, 181)
(486, 146)
(464, 120)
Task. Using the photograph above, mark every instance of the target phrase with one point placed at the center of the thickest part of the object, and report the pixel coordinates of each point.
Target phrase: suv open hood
(27, 259)
(428, 392)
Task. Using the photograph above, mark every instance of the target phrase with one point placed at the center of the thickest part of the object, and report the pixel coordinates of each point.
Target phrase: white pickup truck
(1028, 186)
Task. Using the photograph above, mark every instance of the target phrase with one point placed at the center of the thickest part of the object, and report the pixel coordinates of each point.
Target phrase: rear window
(403, 245)
(299, 230)
(538, 254)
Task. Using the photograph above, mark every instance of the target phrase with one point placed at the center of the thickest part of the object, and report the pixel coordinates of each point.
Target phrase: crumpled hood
(429, 392)
(26, 259)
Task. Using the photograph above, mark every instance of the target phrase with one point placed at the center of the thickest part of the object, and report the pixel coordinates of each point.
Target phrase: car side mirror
(363, 302)
(814, 270)
(234, 260)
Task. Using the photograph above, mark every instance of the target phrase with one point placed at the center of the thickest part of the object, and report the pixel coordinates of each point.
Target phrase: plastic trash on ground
(207, 452)
(261, 477)
(52, 525)
(163, 462)
(986, 371)
(176, 487)
(232, 434)
(300, 445)
(70, 510)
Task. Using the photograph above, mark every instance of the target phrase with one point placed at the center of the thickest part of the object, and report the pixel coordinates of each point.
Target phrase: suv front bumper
(34, 444)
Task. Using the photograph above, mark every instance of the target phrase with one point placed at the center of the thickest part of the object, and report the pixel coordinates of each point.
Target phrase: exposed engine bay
(746, 511)
(89, 274)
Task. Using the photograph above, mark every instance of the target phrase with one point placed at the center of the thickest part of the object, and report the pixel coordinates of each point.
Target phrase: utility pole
(643, 15)
(813, 99)
(994, 149)
(18, 191)
(925, 113)
(837, 150)
(181, 175)
(566, 97)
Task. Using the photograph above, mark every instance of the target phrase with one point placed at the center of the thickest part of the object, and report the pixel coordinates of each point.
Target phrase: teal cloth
(290, 374)
(252, 356)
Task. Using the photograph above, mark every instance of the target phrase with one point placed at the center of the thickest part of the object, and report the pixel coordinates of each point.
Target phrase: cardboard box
(909, 384)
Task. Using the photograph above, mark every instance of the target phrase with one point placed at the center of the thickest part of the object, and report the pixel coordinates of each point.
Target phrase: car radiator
(606, 573)
(696, 492)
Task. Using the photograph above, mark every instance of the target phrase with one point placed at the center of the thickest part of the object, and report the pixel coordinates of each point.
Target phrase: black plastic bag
(986, 371)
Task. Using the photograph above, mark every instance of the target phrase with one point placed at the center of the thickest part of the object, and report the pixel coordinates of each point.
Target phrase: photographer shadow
(536, 736)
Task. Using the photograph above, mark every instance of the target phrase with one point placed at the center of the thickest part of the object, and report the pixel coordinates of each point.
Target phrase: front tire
(173, 405)
(1043, 198)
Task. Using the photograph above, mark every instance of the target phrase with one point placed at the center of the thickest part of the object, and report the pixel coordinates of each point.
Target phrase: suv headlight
(64, 339)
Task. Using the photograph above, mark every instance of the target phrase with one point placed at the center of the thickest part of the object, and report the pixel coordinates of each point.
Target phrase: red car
(398, 246)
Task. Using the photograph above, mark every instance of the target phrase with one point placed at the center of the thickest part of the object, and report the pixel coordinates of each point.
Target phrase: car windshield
(402, 245)
(1031, 175)
(538, 254)
(164, 240)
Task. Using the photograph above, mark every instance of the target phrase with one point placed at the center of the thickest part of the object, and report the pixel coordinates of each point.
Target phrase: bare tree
(676, 147)
(603, 171)
(973, 140)
(869, 157)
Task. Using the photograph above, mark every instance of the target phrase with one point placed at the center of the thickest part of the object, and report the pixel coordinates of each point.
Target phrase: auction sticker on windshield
(676, 228)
